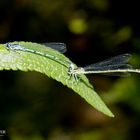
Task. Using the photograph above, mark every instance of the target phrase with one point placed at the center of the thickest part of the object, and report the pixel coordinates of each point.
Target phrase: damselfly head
(10, 46)
(71, 68)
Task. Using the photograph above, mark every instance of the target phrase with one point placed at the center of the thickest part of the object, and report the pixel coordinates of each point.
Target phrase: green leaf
(27, 61)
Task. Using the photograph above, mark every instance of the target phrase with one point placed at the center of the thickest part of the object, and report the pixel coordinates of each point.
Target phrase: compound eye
(8, 45)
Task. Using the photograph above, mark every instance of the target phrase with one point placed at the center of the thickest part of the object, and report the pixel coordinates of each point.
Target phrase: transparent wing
(114, 63)
(61, 47)
(117, 62)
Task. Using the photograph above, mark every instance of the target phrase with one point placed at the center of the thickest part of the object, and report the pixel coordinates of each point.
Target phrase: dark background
(34, 107)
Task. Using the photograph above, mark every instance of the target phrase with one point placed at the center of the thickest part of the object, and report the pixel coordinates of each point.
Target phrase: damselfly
(116, 65)
(61, 47)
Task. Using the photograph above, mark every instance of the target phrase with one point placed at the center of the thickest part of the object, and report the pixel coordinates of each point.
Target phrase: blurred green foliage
(35, 107)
